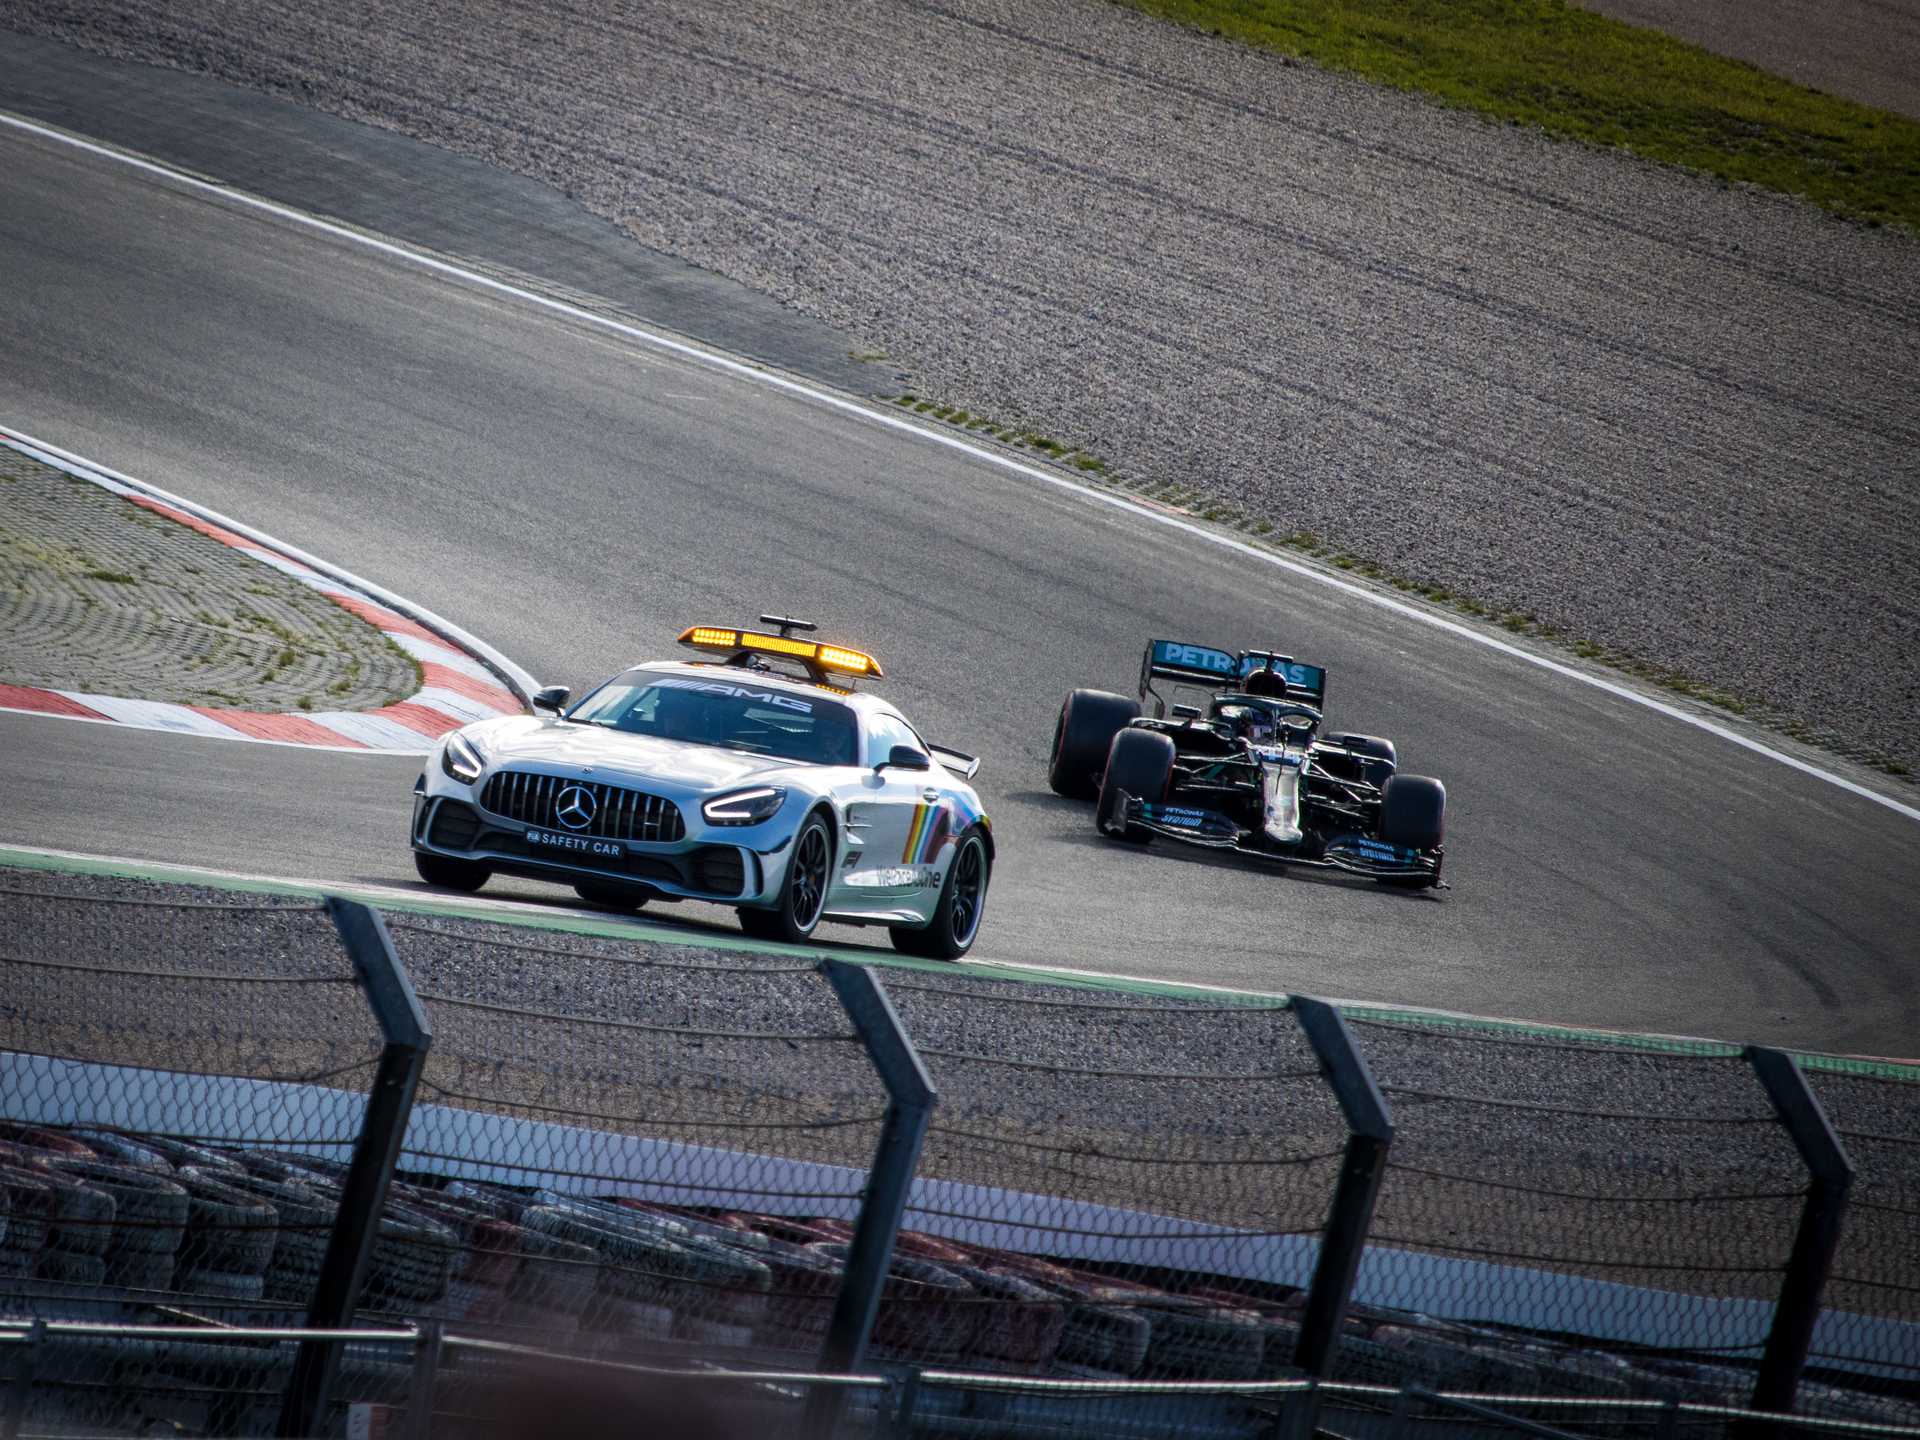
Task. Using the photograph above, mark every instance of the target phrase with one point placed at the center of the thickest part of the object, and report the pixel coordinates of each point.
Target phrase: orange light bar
(853, 662)
(826, 657)
(779, 645)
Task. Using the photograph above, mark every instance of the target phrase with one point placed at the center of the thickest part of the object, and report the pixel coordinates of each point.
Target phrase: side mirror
(551, 697)
(905, 757)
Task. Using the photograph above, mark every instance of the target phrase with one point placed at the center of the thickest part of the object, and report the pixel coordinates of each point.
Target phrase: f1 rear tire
(1140, 764)
(1384, 760)
(449, 873)
(1089, 719)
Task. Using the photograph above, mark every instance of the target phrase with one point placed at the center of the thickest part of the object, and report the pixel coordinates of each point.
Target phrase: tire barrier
(244, 1231)
(925, 1312)
(150, 1219)
(1018, 1322)
(28, 1202)
(229, 1231)
(80, 1221)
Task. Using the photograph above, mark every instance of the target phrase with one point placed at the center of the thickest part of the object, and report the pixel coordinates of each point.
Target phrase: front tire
(1089, 719)
(449, 873)
(963, 901)
(611, 895)
(1140, 764)
(1413, 814)
(803, 893)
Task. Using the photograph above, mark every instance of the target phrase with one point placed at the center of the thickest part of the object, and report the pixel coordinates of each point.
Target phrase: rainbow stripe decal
(927, 833)
(933, 826)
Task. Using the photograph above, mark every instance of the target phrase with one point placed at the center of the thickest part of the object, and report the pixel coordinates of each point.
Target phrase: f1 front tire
(1413, 813)
(1140, 764)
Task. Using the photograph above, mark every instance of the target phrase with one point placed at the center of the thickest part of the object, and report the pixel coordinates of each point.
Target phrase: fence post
(426, 1374)
(1369, 1133)
(1814, 1243)
(356, 1226)
(13, 1412)
(908, 1403)
(910, 1100)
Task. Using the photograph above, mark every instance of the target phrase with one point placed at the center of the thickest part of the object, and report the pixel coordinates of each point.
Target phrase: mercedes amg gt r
(757, 778)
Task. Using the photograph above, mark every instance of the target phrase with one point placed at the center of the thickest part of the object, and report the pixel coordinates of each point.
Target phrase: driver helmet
(1266, 681)
(1251, 723)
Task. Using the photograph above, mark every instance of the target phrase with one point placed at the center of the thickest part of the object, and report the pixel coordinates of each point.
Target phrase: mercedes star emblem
(573, 807)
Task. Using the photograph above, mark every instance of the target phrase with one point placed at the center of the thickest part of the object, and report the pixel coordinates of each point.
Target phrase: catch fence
(1115, 1213)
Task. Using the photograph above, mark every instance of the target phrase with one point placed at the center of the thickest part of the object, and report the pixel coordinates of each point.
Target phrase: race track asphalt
(575, 498)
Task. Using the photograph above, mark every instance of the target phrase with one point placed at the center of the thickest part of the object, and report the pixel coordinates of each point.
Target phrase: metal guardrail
(429, 1343)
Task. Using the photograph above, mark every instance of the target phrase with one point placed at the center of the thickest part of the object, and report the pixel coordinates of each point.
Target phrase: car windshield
(729, 714)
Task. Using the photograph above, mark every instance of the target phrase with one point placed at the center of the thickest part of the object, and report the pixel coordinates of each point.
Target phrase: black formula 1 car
(1250, 771)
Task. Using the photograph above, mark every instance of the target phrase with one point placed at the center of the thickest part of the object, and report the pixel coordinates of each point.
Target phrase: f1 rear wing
(1221, 670)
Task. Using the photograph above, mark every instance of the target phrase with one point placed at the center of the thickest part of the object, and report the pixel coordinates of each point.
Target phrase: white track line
(899, 423)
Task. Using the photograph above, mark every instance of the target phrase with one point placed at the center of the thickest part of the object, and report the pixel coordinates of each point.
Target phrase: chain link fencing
(1876, 1270)
(1631, 1195)
(590, 1156)
(142, 1042)
(1102, 1180)
(662, 1153)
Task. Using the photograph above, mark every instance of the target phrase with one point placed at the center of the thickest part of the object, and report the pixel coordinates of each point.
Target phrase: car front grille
(618, 813)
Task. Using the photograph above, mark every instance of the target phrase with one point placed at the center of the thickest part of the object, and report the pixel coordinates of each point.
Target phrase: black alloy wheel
(803, 894)
(968, 880)
(962, 904)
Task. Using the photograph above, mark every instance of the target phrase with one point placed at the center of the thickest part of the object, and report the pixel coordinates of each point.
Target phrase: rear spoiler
(957, 760)
(1222, 670)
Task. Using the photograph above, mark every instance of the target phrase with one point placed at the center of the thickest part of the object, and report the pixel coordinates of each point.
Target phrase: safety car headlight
(461, 760)
(745, 807)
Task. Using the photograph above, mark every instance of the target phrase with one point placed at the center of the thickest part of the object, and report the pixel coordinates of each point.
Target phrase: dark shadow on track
(658, 913)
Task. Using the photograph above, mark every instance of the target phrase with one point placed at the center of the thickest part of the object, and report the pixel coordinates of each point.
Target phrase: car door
(893, 823)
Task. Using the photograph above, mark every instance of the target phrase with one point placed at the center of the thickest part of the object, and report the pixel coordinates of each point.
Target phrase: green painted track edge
(507, 913)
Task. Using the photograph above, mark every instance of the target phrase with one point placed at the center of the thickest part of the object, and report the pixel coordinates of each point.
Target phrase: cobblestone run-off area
(101, 596)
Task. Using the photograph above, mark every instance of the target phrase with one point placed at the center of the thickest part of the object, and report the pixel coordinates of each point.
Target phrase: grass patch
(977, 424)
(1590, 78)
(112, 577)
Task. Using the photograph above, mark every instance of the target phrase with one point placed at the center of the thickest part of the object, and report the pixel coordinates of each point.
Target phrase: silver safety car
(756, 777)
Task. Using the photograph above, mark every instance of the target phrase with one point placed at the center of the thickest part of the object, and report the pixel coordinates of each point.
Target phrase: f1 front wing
(1358, 854)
